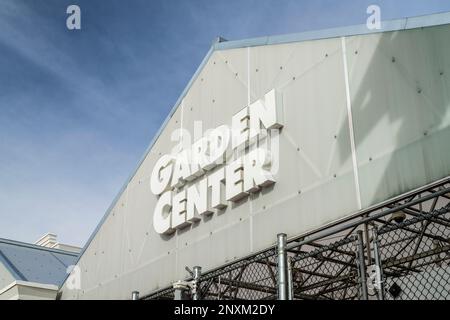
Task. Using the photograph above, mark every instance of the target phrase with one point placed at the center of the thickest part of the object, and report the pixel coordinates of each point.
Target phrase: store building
(34, 271)
(307, 132)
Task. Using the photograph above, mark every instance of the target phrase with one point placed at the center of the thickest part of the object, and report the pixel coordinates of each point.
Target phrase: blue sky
(78, 108)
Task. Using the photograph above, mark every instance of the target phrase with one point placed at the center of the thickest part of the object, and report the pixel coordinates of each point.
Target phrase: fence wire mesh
(255, 280)
(412, 247)
(415, 256)
(328, 272)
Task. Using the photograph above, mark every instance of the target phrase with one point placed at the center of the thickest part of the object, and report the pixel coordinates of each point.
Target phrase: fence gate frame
(368, 255)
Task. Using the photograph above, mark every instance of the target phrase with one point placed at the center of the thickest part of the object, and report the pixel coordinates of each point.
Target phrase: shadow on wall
(399, 88)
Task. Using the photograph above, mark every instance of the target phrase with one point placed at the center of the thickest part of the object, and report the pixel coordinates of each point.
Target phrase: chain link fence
(403, 255)
(415, 256)
(328, 272)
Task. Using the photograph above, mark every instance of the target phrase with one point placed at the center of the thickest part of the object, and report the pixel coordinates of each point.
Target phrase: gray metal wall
(398, 86)
(5, 277)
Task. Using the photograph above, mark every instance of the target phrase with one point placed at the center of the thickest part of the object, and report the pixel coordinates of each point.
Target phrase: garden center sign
(226, 164)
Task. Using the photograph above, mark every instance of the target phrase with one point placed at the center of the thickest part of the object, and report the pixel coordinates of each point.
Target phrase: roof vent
(47, 240)
(219, 39)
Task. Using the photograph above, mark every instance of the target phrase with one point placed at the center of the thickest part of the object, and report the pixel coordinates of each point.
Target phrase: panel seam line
(350, 124)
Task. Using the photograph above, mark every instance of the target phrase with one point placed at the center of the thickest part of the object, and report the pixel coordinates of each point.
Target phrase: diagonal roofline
(407, 23)
(36, 247)
(13, 270)
(347, 31)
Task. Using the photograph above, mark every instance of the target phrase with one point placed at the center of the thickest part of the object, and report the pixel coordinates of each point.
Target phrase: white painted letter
(235, 181)
(181, 170)
(219, 139)
(267, 112)
(161, 175)
(216, 181)
(162, 216)
(179, 210)
(257, 170)
(199, 156)
(240, 128)
(197, 201)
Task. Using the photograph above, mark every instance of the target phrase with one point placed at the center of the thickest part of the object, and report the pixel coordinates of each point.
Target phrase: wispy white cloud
(77, 109)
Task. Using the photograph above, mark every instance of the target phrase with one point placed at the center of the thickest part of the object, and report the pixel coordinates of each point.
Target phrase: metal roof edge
(37, 247)
(37, 285)
(21, 283)
(347, 31)
(388, 25)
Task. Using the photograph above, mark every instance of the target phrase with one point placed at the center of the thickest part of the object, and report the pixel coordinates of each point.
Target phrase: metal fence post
(282, 267)
(362, 265)
(196, 282)
(181, 290)
(378, 263)
(367, 236)
(290, 280)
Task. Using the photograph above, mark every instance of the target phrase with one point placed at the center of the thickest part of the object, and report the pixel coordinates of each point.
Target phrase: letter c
(162, 217)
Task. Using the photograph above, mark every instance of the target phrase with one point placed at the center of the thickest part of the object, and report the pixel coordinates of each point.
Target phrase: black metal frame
(325, 264)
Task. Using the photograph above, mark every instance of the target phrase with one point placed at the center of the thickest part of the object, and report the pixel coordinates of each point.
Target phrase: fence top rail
(323, 249)
(414, 220)
(364, 216)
